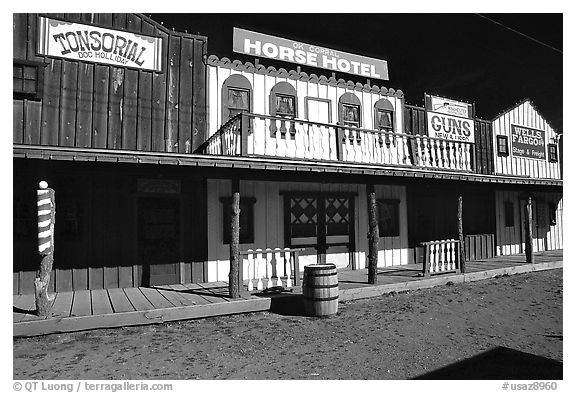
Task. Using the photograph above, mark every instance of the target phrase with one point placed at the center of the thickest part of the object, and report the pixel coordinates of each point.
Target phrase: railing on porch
(441, 256)
(270, 268)
(249, 134)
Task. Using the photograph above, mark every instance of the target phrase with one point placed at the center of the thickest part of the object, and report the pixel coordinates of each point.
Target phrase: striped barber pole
(45, 219)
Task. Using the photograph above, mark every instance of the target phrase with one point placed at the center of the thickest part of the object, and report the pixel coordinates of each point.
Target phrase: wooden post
(373, 234)
(46, 220)
(461, 237)
(528, 230)
(234, 281)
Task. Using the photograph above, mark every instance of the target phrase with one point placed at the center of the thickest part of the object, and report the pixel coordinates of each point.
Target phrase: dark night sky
(460, 56)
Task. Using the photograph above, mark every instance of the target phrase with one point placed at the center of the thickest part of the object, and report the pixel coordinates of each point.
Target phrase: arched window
(283, 100)
(236, 96)
(349, 110)
(384, 115)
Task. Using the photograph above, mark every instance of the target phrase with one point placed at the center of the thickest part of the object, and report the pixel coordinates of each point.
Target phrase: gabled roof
(526, 100)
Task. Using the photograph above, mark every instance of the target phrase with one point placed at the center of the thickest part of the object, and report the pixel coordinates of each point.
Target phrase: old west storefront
(162, 150)
(86, 85)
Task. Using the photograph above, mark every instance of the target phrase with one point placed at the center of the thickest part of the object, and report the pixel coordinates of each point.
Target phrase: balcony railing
(261, 135)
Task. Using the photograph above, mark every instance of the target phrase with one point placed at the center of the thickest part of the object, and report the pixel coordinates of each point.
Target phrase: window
(351, 115)
(553, 152)
(502, 145)
(384, 121)
(28, 80)
(236, 96)
(285, 106)
(552, 213)
(388, 217)
(246, 220)
(283, 103)
(508, 214)
(384, 115)
(349, 110)
(238, 101)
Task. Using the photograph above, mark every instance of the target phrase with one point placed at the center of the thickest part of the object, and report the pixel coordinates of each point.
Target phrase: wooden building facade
(143, 159)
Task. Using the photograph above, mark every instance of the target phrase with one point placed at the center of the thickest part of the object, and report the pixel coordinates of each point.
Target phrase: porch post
(46, 221)
(528, 226)
(373, 235)
(461, 237)
(233, 277)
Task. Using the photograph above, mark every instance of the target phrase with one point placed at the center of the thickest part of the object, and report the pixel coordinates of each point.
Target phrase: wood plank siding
(524, 114)
(97, 224)
(92, 105)
(547, 233)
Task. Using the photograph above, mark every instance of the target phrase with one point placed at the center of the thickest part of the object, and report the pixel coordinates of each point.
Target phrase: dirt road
(514, 322)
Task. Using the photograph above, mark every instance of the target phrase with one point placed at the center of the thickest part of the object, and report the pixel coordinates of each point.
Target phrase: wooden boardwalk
(115, 307)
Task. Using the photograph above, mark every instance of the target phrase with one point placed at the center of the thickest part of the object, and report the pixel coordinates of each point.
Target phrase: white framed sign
(76, 41)
(449, 119)
(262, 45)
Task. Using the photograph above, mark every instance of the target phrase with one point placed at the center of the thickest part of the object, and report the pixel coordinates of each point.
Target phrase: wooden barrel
(320, 290)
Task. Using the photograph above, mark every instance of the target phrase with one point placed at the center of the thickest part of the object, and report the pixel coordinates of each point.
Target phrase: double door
(323, 223)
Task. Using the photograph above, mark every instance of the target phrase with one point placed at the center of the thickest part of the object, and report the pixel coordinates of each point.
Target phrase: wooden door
(159, 240)
(323, 224)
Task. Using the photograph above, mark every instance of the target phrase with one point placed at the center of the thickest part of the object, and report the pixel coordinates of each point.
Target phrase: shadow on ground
(284, 303)
(500, 363)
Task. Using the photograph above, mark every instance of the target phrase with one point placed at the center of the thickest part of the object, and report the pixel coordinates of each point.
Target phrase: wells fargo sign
(449, 119)
(262, 45)
(528, 142)
(98, 45)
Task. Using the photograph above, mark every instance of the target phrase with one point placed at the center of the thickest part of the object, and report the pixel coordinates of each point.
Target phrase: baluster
(307, 129)
(392, 148)
(434, 265)
(452, 255)
(433, 157)
(441, 154)
(278, 257)
(448, 154)
(250, 262)
(460, 156)
(442, 255)
(424, 158)
(331, 134)
(288, 267)
(358, 153)
(260, 285)
(468, 157)
(300, 151)
(324, 142)
(269, 269)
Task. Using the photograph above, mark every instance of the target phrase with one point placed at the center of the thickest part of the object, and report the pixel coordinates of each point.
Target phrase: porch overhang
(264, 163)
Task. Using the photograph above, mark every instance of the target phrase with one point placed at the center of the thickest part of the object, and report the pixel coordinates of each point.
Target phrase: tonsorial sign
(527, 142)
(449, 119)
(262, 45)
(77, 41)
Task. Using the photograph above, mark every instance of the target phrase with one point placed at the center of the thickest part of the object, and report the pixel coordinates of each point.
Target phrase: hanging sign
(93, 44)
(262, 45)
(527, 142)
(449, 119)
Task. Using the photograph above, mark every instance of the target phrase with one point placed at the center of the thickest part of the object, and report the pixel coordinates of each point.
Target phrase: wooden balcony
(252, 135)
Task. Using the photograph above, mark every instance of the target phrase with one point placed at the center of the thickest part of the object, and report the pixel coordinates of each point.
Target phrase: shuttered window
(388, 217)
(553, 152)
(27, 80)
(246, 220)
(502, 145)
